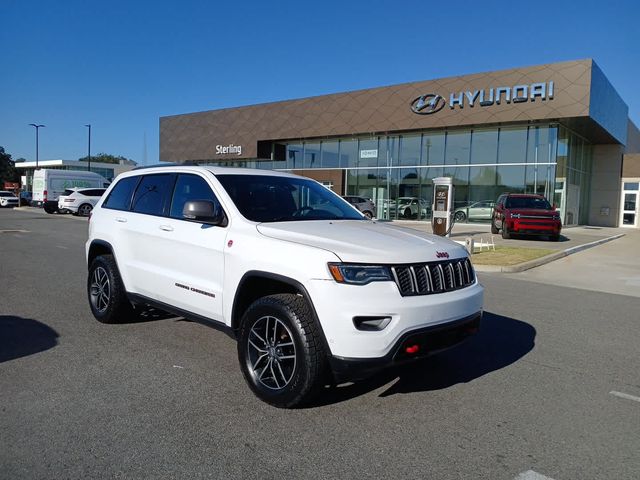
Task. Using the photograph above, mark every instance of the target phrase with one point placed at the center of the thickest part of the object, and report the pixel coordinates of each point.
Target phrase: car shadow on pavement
(21, 337)
(500, 342)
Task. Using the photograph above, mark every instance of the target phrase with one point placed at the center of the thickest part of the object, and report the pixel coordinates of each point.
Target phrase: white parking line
(625, 395)
(531, 475)
(14, 231)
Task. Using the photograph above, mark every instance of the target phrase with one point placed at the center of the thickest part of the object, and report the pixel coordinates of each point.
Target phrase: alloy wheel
(271, 353)
(100, 290)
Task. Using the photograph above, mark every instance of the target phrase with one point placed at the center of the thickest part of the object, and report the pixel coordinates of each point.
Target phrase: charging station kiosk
(442, 207)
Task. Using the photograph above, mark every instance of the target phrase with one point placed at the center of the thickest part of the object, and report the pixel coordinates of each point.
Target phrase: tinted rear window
(120, 197)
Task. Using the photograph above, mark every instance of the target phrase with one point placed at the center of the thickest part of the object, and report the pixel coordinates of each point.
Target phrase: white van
(48, 185)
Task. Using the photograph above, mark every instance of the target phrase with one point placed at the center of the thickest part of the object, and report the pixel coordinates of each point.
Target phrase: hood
(360, 241)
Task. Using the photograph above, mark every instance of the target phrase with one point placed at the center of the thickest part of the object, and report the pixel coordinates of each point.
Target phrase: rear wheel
(280, 350)
(50, 209)
(84, 209)
(107, 296)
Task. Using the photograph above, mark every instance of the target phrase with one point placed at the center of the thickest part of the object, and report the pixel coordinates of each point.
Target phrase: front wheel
(494, 229)
(505, 232)
(460, 216)
(368, 214)
(107, 296)
(280, 350)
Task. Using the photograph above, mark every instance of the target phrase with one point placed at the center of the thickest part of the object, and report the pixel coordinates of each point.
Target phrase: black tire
(460, 216)
(85, 209)
(106, 293)
(407, 213)
(494, 229)
(293, 381)
(50, 210)
(505, 232)
(368, 214)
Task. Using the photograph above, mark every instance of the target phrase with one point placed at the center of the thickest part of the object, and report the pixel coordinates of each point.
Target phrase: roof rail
(189, 163)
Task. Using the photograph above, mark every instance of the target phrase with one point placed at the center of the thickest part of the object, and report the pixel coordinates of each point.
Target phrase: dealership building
(560, 130)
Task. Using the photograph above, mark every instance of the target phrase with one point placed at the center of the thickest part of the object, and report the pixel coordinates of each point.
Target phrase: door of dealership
(630, 203)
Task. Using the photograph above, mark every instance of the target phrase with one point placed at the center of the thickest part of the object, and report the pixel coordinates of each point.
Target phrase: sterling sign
(432, 103)
(229, 149)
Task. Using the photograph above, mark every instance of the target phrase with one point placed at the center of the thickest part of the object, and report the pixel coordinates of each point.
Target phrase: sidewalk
(613, 267)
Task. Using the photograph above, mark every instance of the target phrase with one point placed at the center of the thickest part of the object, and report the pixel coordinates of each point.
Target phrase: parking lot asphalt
(164, 397)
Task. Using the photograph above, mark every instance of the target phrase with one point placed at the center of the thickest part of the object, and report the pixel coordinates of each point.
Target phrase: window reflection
(553, 162)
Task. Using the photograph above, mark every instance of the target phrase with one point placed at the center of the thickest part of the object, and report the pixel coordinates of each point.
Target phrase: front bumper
(534, 226)
(339, 308)
(411, 346)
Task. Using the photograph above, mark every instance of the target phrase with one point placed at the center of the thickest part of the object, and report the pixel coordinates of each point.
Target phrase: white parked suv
(312, 290)
(8, 199)
(79, 201)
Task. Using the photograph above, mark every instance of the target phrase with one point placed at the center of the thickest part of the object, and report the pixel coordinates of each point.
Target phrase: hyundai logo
(429, 103)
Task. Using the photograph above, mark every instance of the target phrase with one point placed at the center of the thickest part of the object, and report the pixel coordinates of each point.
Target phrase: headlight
(359, 274)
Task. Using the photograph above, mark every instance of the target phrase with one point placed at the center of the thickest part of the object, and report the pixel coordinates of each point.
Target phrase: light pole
(89, 167)
(37, 126)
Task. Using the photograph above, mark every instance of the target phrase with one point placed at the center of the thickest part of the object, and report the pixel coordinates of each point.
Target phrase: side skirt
(178, 312)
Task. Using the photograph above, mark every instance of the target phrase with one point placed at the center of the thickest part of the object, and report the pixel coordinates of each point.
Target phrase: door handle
(121, 220)
(166, 228)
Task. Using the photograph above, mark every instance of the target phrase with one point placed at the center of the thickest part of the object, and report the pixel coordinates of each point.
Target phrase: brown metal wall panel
(195, 136)
(631, 165)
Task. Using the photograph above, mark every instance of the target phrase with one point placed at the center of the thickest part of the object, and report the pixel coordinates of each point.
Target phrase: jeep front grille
(436, 277)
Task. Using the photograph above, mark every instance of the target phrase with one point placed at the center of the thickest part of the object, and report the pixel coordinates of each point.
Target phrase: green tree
(8, 172)
(106, 158)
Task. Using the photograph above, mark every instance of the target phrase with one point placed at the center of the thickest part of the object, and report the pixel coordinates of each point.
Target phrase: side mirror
(203, 211)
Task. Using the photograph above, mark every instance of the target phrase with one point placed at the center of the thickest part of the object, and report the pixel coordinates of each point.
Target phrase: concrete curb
(521, 267)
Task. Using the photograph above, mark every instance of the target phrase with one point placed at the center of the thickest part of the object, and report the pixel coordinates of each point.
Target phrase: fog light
(371, 323)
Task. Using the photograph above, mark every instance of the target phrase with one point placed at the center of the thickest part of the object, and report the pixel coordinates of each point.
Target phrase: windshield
(528, 202)
(267, 198)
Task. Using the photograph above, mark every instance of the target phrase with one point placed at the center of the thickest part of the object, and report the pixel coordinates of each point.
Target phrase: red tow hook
(411, 349)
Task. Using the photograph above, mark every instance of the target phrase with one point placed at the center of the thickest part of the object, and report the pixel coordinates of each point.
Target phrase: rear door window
(120, 196)
(153, 193)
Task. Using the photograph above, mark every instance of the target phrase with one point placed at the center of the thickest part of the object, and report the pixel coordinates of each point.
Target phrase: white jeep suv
(312, 290)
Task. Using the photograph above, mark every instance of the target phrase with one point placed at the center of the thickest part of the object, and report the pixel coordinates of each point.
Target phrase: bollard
(468, 244)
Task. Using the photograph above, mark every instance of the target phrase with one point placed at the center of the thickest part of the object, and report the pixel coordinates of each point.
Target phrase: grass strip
(505, 256)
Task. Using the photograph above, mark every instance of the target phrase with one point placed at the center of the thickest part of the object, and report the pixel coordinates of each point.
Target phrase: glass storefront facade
(396, 171)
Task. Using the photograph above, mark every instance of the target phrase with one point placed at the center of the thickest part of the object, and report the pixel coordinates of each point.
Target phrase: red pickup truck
(516, 213)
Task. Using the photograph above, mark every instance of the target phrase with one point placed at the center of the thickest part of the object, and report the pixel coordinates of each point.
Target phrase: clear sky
(120, 65)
